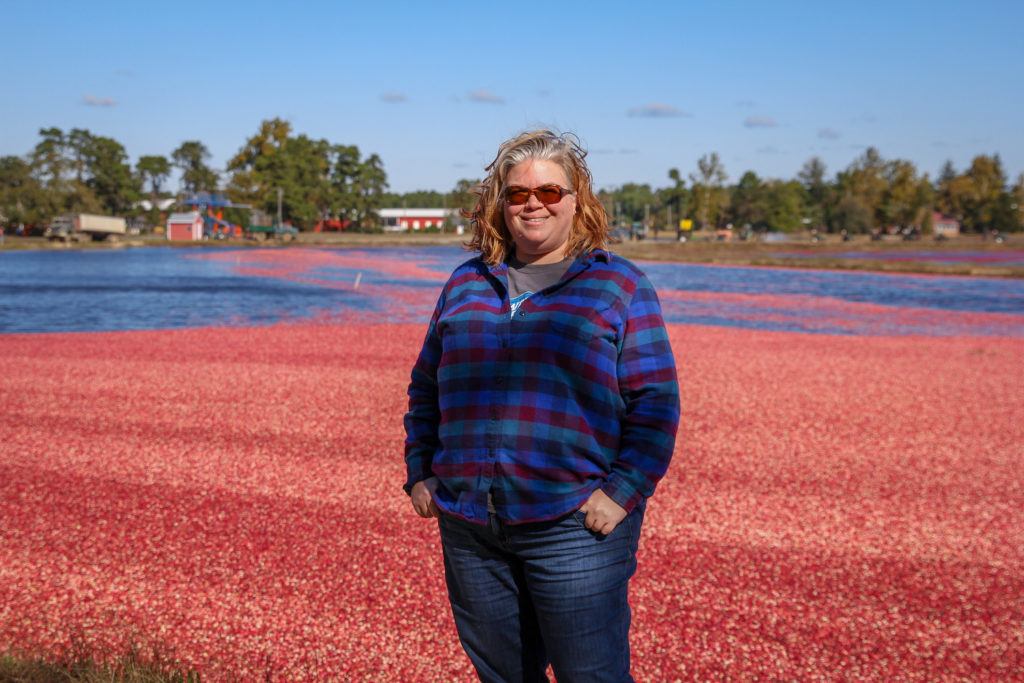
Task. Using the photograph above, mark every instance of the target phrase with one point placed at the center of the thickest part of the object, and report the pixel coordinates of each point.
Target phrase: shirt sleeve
(424, 416)
(650, 390)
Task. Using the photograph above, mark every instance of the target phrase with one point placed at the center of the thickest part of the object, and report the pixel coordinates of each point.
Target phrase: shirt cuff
(626, 496)
(416, 472)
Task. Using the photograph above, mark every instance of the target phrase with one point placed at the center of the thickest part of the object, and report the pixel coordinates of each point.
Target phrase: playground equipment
(211, 207)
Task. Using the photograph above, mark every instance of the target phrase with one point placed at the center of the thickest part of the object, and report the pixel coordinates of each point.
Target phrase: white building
(397, 220)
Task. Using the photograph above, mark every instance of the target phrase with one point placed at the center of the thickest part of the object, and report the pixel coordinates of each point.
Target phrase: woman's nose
(533, 203)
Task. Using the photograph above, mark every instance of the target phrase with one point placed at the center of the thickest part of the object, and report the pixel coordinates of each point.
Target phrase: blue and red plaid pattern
(577, 391)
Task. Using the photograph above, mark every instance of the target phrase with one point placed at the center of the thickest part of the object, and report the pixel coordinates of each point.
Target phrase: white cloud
(93, 101)
(657, 110)
(393, 97)
(760, 122)
(485, 97)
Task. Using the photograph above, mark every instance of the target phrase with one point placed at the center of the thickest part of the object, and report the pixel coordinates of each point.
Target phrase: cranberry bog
(207, 469)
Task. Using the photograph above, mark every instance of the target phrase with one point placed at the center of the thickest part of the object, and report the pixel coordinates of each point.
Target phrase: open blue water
(151, 288)
(159, 288)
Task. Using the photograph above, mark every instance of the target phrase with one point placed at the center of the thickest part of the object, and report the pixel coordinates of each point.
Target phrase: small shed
(185, 226)
(945, 226)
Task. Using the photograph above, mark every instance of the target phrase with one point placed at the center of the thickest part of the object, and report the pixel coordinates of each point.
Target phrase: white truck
(78, 226)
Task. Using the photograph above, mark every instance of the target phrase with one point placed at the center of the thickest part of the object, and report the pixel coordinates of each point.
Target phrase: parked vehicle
(285, 233)
(80, 226)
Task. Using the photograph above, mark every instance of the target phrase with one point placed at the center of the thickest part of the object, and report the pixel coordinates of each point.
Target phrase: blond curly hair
(492, 238)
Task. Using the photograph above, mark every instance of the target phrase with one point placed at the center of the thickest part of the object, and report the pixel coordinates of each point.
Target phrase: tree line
(871, 194)
(78, 171)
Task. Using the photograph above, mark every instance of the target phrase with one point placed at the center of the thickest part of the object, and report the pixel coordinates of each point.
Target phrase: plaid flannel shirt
(578, 391)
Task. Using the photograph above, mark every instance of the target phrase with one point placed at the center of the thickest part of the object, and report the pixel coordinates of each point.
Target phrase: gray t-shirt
(526, 279)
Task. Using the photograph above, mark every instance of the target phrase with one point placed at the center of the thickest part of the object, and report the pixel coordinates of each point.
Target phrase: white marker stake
(359, 276)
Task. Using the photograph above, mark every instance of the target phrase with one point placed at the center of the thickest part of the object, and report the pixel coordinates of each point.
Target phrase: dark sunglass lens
(517, 195)
(549, 194)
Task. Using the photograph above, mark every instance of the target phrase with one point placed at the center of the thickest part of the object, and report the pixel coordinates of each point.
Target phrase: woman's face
(541, 232)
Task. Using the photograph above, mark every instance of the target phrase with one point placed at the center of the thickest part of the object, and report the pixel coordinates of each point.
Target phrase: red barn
(395, 220)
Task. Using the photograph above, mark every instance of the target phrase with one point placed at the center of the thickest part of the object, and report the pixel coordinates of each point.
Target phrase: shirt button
(522, 314)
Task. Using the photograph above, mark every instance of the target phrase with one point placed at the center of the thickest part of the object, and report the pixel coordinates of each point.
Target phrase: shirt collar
(582, 260)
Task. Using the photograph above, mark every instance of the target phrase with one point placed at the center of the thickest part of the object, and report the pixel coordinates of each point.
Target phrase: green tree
(784, 205)
(23, 200)
(1017, 202)
(462, 199)
(318, 179)
(675, 196)
(820, 195)
(853, 215)
(424, 199)
(196, 176)
(949, 192)
(707, 193)
(153, 171)
(303, 170)
(861, 188)
(370, 184)
(345, 161)
(984, 206)
(634, 201)
(109, 176)
(747, 204)
(464, 196)
(78, 145)
(59, 163)
(49, 161)
(907, 197)
(300, 167)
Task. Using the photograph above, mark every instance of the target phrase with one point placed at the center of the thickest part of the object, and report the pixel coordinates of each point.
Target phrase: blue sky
(434, 87)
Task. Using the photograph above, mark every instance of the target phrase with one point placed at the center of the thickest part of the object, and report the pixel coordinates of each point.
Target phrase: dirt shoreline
(828, 255)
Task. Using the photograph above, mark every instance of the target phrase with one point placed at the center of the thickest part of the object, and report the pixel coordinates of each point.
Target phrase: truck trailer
(79, 226)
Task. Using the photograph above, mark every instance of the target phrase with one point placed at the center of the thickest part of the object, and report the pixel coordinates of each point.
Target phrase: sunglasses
(545, 194)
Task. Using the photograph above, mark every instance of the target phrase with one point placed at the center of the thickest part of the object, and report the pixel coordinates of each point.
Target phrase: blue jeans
(529, 594)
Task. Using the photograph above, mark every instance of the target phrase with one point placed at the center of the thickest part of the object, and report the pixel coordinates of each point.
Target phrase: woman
(543, 409)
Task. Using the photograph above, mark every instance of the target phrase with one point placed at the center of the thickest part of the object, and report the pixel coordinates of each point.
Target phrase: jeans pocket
(581, 518)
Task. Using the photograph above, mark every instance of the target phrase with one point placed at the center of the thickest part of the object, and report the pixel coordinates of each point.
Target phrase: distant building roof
(185, 217)
(162, 204)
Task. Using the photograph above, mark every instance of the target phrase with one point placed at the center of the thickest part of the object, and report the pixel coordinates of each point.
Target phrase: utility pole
(280, 195)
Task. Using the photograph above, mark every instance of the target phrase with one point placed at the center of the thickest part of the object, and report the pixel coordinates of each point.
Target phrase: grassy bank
(827, 254)
(129, 669)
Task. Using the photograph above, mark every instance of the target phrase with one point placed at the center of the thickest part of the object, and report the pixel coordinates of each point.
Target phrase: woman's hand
(603, 513)
(423, 498)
